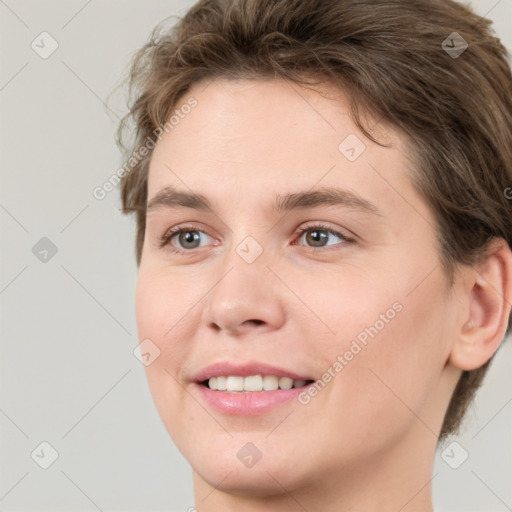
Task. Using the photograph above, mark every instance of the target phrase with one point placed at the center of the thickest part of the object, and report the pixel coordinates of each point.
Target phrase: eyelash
(166, 238)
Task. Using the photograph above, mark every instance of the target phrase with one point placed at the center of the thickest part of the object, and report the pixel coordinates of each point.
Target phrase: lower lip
(248, 403)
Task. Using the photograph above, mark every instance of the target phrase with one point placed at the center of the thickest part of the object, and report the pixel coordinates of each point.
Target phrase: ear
(488, 306)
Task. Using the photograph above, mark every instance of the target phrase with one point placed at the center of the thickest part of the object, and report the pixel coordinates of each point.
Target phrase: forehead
(272, 136)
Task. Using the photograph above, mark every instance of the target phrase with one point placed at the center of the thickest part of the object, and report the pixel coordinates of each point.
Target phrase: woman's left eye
(318, 235)
(189, 238)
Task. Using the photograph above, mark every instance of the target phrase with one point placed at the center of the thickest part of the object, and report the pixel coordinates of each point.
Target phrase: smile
(252, 383)
(248, 388)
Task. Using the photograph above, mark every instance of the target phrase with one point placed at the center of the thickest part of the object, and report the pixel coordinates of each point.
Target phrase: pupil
(189, 237)
(317, 236)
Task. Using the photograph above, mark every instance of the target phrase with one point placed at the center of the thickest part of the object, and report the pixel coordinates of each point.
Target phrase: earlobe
(490, 302)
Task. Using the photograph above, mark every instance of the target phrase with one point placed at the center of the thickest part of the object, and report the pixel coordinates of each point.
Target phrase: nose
(246, 297)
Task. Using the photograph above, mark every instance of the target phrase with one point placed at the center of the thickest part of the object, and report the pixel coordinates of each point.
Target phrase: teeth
(253, 383)
(221, 383)
(270, 382)
(285, 383)
(233, 384)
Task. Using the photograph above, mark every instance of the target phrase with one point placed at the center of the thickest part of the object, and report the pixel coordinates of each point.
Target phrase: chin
(266, 478)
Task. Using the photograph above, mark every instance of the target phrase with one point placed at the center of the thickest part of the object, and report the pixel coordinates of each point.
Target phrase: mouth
(253, 383)
(248, 389)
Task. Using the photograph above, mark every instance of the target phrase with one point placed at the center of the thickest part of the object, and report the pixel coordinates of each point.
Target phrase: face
(308, 261)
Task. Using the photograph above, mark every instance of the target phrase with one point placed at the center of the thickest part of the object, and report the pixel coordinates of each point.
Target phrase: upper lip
(245, 370)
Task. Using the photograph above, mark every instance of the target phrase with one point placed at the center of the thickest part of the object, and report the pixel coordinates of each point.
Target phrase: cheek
(334, 303)
(162, 307)
(148, 305)
(391, 376)
(158, 311)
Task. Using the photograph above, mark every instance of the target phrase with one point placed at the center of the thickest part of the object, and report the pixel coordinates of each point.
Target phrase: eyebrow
(169, 197)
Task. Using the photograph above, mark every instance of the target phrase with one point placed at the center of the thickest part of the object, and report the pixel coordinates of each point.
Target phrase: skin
(366, 442)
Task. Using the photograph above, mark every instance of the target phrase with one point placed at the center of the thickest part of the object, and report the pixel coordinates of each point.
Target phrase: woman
(323, 241)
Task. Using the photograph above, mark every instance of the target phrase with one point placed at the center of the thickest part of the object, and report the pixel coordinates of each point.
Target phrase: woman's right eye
(188, 238)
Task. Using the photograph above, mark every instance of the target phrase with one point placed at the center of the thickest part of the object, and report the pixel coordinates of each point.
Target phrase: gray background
(68, 374)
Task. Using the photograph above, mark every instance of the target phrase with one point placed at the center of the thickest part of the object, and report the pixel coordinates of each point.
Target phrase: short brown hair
(397, 60)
